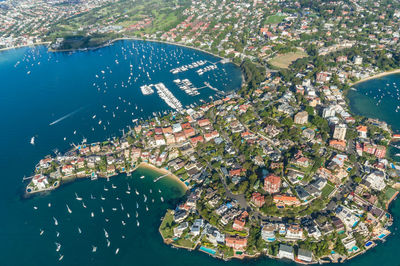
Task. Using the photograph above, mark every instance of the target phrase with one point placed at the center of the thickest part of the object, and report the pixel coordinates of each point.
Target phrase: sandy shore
(377, 76)
(162, 171)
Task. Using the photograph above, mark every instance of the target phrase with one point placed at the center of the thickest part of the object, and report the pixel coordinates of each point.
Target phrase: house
(196, 140)
(257, 199)
(294, 232)
(268, 232)
(338, 144)
(347, 216)
(301, 118)
(181, 227)
(362, 131)
(196, 227)
(283, 200)
(176, 128)
(67, 169)
(159, 140)
(286, 251)
(180, 137)
(238, 224)
(180, 215)
(40, 181)
(272, 183)
(375, 180)
(323, 77)
(212, 135)
(236, 242)
(189, 132)
(203, 122)
(304, 255)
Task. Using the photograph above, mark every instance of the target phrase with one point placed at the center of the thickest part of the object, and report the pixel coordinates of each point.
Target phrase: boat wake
(65, 116)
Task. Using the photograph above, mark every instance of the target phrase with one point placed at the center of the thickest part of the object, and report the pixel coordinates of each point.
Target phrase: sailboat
(76, 197)
(33, 140)
(102, 210)
(94, 248)
(69, 210)
(55, 221)
(116, 251)
(142, 177)
(61, 257)
(58, 246)
(92, 214)
(108, 243)
(105, 233)
(79, 231)
(83, 204)
(137, 223)
(137, 192)
(162, 199)
(41, 231)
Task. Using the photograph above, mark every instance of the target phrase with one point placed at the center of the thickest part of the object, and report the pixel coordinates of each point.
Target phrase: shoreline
(376, 76)
(161, 171)
(22, 46)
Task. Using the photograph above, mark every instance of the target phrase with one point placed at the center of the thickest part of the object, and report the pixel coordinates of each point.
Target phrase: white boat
(105, 189)
(108, 242)
(77, 198)
(137, 223)
(61, 257)
(102, 198)
(137, 214)
(116, 251)
(145, 198)
(114, 209)
(94, 248)
(128, 215)
(137, 205)
(128, 192)
(142, 177)
(55, 221)
(129, 188)
(123, 223)
(113, 186)
(49, 205)
(41, 232)
(137, 192)
(83, 204)
(35, 208)
(33, 140)
(58, 246)
(102, 210)
(105, 233)
(57, 234)
(162, 199)
(79, 231)
(92, 214)
(69, 210)
(147, 209)
(122, 207)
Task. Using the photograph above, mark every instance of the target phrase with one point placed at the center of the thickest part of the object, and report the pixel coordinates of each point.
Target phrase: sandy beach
(377, 76)
(161, 171)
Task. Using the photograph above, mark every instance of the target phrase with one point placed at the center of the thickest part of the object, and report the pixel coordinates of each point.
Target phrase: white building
(285, 251)
(376, 180)
(304, 255)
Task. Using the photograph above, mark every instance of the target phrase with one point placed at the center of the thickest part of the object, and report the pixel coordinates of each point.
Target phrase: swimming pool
(208, 250)
(381, 236)
(369, 243)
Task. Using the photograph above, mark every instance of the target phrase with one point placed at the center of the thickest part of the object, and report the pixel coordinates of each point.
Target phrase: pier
(160, 177)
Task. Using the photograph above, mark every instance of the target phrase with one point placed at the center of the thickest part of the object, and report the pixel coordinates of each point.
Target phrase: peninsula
(280, 168)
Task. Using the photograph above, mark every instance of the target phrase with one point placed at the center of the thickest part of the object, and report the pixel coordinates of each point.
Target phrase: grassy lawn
(166, 225)
(389, 193)
(274, 19)
(185, 243)
(327, 190)
(284, 60)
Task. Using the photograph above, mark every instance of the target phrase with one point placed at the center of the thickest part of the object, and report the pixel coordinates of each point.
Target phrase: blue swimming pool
(369, 243)
(208, 250)
(381, 236)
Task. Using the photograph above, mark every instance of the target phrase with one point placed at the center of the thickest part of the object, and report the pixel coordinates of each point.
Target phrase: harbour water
(61, 88)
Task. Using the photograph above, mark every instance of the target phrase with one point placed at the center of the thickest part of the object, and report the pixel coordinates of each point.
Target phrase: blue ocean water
(62, 86)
